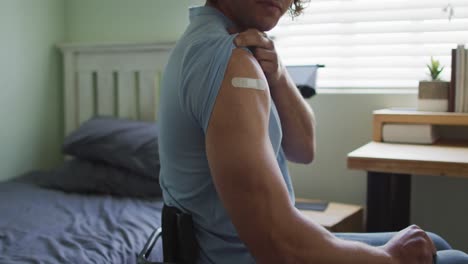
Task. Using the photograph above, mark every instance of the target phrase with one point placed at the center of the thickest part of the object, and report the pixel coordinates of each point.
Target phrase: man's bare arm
(249, 182)
(297, 117)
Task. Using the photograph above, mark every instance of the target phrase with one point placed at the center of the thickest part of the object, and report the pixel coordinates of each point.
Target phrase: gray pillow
(93, 177)
(123, 143)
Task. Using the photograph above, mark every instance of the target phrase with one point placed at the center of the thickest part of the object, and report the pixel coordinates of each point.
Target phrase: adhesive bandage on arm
(251, 83)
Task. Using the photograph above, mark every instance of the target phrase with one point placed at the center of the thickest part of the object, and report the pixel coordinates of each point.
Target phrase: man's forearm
(302, 241)
(297, 120)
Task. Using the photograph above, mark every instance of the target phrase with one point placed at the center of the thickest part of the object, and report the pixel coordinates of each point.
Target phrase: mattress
(39, 225)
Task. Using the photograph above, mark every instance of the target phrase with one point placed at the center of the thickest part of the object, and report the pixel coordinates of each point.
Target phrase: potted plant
(433, 94)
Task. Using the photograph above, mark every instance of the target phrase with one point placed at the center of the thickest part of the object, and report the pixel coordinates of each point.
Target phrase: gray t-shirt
(191, 82)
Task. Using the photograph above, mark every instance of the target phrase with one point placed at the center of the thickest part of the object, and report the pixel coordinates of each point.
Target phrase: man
(229, 119)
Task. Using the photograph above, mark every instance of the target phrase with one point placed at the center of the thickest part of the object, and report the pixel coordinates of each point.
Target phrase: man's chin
(266, 26)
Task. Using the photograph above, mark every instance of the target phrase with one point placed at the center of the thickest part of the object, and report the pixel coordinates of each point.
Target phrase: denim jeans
(445, 253)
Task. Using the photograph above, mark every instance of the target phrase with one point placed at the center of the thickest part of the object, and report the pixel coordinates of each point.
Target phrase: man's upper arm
(241, 158)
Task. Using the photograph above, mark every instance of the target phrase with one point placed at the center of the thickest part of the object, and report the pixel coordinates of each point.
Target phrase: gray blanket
(46, 226)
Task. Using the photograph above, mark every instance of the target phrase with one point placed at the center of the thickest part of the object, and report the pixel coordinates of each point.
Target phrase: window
(373, 44)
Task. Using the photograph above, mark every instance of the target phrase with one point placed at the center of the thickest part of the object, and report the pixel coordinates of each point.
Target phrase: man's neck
(223, 10)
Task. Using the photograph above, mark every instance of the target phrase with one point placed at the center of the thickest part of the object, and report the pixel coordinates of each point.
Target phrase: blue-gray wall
(30, 96)
(125, 20)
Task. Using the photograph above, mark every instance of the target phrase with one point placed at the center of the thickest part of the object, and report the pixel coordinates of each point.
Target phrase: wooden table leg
(388, 201)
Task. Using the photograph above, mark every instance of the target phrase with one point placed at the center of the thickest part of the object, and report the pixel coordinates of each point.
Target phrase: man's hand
(411, 245)
(297, 118)
(263, 49)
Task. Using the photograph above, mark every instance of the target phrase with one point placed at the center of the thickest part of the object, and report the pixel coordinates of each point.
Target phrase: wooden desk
(389, 168)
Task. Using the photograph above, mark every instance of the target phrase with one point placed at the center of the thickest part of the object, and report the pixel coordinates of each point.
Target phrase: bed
(104, 201)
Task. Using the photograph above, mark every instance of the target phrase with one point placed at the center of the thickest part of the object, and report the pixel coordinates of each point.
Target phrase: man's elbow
(308, 155)
(305, 155)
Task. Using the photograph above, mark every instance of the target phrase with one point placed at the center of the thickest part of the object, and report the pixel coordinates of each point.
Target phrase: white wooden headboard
(121, 80)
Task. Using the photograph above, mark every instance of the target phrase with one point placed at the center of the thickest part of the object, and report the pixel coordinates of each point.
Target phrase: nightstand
(337, 217)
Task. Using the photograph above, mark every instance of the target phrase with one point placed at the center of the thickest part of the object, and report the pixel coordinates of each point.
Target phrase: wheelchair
(178, 238)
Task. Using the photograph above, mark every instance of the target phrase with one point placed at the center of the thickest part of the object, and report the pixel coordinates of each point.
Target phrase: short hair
(297, 7)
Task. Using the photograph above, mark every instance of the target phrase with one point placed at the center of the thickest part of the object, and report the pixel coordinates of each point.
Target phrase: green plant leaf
(434, 69)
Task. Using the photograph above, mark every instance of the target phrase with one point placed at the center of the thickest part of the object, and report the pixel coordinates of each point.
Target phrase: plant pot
(433, 96)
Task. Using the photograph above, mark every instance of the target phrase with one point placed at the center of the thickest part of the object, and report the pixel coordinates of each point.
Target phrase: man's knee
(439, 242)
(451, 257)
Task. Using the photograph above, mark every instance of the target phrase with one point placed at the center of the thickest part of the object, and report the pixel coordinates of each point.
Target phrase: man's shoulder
(243, 61)
(204, 40)
(212, 53)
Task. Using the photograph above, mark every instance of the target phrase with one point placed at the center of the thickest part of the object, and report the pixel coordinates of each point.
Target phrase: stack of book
(409, 133)
(458, 92)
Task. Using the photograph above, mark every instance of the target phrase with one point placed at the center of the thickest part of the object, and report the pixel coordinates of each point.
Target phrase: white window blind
(373, 44)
